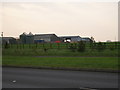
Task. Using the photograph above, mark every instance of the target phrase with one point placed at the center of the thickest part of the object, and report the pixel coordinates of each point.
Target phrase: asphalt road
(39, 78)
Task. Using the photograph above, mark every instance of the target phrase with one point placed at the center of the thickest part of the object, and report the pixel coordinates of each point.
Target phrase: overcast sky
(86, 19)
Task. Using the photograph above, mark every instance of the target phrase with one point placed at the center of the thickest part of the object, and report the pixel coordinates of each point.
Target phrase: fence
(111, 45)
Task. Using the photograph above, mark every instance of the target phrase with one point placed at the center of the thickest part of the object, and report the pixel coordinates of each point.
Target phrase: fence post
(36, 45)
(29, 46)
(66, 45)
(58, 45)
(17, 45)
(43, 45)
(116, 45)
(23, 45)
(50, 46)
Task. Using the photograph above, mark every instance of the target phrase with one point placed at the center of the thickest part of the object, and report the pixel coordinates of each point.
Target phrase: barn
(87, 39)
(51, 38)
(71, 38)
(9, 40)
(46, 38)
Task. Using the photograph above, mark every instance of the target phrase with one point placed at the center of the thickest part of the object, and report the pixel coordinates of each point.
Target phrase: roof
(70, 36)
(25, 34)
(47, 35)
(7, 38)
(30, 34)
(85, 38)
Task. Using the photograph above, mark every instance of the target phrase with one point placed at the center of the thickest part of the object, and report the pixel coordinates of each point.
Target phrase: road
(39, 78)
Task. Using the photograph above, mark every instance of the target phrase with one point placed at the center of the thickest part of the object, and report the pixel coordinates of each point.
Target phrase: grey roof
(85, 38)
(25, 34)
(7, 38)
(48, 35)
(30, 34)
(70, 36)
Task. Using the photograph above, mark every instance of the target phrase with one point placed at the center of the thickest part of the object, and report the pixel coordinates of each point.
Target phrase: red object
(57, 41)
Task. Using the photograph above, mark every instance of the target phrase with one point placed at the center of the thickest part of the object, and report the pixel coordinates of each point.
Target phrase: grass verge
(106, 63)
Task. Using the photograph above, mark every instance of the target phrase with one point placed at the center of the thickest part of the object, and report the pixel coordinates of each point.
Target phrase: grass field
(58, 52)
(107, 63)
(59, 55)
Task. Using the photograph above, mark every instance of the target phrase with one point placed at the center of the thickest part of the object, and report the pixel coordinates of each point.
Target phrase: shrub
(45, 49)
(72, 47)
(111, 47)
(81, 46)
(100, 46)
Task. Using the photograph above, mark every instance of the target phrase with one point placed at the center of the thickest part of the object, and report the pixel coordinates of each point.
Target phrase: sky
(86, 19)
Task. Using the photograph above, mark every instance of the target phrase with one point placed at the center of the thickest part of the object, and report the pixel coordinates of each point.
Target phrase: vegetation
(101, 46)
(71, 55)
(6, 45)
(81, 46)
(106, 63)
(62, 49)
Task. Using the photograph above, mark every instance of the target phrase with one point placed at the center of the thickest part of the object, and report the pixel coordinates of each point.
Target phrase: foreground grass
(106, 63)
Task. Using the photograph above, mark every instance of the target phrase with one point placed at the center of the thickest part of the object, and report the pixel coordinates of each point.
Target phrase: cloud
(86, 19)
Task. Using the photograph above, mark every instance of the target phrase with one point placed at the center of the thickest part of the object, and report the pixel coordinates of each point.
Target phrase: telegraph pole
(1, 40)
(2, 34)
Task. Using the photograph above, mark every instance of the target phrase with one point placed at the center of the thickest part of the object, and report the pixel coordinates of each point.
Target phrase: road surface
(39, 78)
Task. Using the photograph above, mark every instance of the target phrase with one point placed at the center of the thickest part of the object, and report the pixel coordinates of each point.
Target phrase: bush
(72, 47)
(81, 46)
(45, 49)
(111, 47)
(101, 46)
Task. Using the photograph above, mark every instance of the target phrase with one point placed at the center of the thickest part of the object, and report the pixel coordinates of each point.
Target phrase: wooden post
(50, 46)
(58, 45)
(36, 45)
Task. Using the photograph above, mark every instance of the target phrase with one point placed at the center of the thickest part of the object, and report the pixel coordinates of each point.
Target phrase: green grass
(107, 63)
(58, 52)
(25, 55)
(55, 49)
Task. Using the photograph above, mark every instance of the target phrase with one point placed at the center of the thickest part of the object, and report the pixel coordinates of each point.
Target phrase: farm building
(87, 39)
(46, 38)
(9, 40)
(71, 38)
(52, 38)
(27, 38)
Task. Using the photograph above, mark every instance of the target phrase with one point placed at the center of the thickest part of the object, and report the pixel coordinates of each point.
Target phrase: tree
(93, 40)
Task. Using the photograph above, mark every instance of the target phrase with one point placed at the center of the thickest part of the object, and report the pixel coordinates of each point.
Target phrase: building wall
(55, 38)
(23, 39)
(29, 39)
(76, 39)
(8, 40)
(71, 38)
(87, 40)
(12, 41)
(26, 39)
(45, 38)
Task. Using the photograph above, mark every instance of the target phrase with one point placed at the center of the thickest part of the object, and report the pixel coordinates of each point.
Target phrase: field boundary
(76, 56)
(66, 69)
